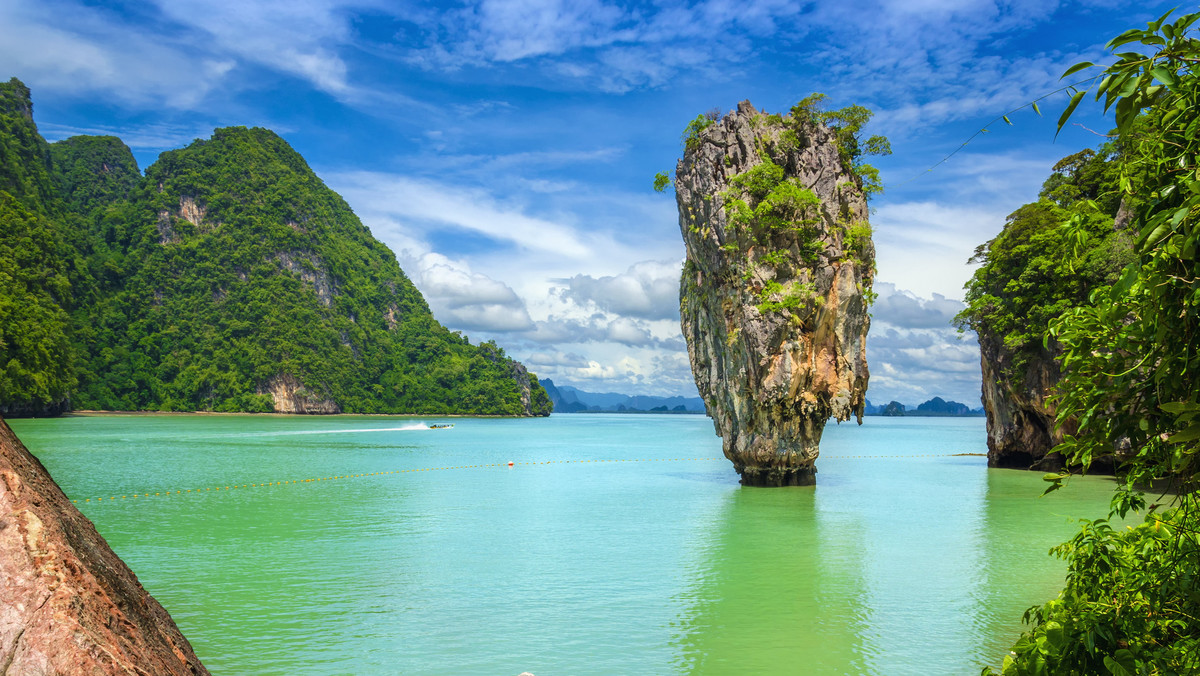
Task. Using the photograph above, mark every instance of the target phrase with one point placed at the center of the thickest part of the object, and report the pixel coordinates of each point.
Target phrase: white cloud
(299, 37)
(596, 329)
(593, 371)
(63, 47)
(462, 299)
(648, 289)
(555, 359)
(421, 205)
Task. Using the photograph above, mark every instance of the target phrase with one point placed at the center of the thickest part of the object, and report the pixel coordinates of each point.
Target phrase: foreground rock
(773, 298)
(69, 605)
(1020, 419)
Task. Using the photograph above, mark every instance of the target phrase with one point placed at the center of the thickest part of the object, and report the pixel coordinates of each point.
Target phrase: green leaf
(1062, 120)
(1179, 407)
(1036, 109)
(1122, 663)
(1076, 68)
(1191, 433)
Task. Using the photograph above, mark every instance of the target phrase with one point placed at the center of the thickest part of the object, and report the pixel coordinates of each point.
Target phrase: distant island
(568, 399)
(934, 408)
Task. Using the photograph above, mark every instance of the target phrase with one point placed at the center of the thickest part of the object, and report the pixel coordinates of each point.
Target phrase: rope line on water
(287, 482)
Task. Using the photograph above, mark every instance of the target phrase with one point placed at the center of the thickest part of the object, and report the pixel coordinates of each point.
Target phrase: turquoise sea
(615, 544)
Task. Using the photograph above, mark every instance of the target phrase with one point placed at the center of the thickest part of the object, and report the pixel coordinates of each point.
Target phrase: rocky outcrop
(69, 605)
(1020, 420)
(773, 298)
(311, 270)
(291, 396)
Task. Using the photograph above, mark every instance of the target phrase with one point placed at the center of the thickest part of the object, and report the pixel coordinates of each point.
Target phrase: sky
(505, 150)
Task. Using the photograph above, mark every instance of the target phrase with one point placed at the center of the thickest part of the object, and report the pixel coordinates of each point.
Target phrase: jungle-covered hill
(228, 278)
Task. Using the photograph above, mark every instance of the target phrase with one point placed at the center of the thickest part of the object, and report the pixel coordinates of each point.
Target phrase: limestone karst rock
(1020, 418)
(775, 288)
(68, 604)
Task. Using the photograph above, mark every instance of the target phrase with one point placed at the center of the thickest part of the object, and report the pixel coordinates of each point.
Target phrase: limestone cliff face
(1020, 421)
(290, 396)
(68, 604)
(773, 298)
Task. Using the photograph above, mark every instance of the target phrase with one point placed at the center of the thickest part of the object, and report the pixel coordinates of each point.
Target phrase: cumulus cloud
(904, 308)
(597, 328)
(914, 353)
(463, 299)
(649, 290)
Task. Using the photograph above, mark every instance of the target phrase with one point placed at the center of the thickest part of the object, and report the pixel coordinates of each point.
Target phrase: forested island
(227, 278)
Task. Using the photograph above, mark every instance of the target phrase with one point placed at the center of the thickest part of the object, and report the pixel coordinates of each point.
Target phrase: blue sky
(505, 150)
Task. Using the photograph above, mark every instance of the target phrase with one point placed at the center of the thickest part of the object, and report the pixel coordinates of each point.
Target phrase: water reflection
(781, 594)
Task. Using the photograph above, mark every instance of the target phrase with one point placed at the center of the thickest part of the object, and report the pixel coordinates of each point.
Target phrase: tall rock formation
(68, 604)
(774, 292)
(1020, 420)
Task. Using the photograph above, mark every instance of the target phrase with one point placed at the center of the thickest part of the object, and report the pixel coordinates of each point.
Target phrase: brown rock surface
(69, 605)
(1020, 420)
(291, 396)
(773, 299)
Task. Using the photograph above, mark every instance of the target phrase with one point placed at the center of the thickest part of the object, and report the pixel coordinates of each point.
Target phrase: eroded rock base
(778, 476)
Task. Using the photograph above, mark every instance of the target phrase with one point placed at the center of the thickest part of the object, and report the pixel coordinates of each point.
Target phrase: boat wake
(412, 427)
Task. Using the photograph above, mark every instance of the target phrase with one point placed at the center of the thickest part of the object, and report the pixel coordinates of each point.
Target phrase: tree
(1131, 362)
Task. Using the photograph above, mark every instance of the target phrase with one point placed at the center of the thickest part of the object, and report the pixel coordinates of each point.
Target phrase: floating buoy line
(288, 482)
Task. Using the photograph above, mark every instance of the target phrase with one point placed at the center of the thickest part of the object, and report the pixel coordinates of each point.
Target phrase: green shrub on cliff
(847, 124)
(1035, 269)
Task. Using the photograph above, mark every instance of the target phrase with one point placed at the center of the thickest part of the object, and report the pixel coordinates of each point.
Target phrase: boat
(441, 426)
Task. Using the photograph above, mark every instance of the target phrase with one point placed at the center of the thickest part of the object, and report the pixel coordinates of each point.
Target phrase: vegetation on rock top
(1035, 269)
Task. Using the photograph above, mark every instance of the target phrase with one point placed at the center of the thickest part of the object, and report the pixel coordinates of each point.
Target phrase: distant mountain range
(567, 399)
(934, 408)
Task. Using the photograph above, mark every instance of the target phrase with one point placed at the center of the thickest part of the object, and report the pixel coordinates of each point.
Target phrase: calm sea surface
(659, 563)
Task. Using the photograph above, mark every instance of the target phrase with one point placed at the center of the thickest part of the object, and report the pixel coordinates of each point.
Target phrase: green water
(909, 565)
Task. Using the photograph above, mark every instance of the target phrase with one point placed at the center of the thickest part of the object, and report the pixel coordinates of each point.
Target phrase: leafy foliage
(762, 202)
(1034, 270)
(1132, 602)
(691, 133)
(1129, 603)
(36, 266)
(35, 350)
(847, 124)
(661, 181)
